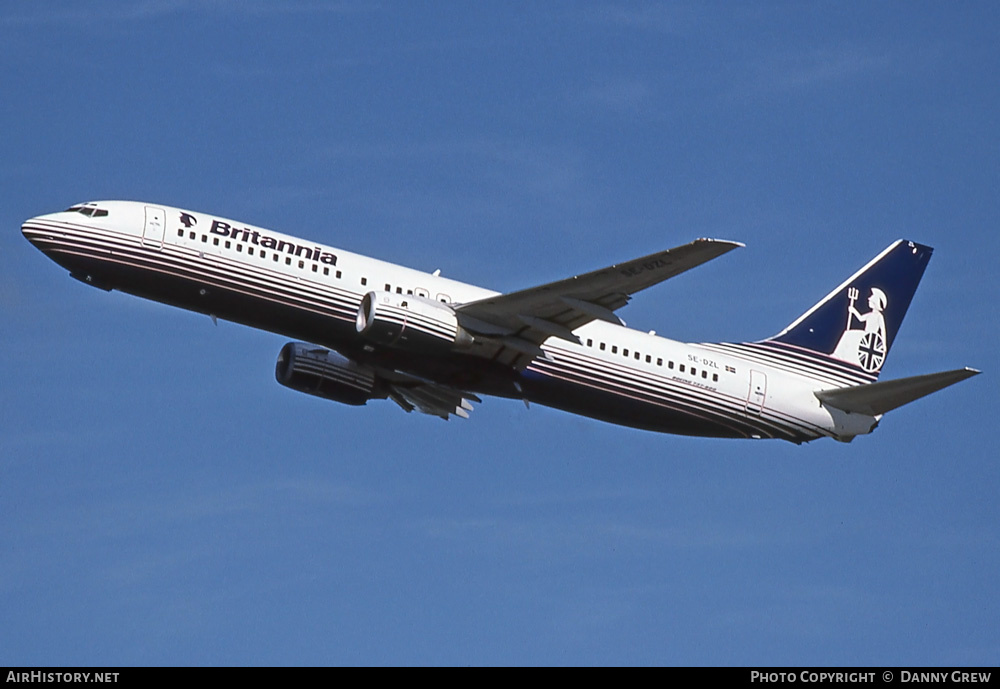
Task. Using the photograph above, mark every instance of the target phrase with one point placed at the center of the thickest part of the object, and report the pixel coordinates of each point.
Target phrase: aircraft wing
(516, 324)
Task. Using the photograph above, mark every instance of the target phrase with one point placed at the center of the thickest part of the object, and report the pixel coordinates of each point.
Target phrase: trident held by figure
(852, 295)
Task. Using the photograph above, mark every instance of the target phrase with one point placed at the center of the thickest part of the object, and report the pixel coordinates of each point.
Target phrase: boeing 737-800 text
(378, 330)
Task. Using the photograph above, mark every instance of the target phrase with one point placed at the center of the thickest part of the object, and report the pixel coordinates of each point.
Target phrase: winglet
(730, 242)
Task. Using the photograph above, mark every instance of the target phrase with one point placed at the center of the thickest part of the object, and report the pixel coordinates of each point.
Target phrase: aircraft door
(757, 393)
(152, 233)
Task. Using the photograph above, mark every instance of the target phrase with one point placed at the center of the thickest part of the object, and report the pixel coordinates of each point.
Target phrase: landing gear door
(152, 233)
(758, 391)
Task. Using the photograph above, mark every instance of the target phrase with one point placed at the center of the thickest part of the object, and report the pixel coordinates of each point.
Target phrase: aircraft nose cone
(29, 229)
(39, 232)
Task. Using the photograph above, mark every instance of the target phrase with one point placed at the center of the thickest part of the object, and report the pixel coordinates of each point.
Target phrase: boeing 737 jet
(376, 330)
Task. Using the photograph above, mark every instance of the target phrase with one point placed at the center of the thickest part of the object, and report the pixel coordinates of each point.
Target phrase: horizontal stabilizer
(879, 398)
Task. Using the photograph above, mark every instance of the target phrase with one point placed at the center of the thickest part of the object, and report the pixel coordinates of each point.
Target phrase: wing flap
(878, 398)
(432, 399)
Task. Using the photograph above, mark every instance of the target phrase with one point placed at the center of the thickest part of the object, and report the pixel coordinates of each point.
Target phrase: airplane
(367, 329)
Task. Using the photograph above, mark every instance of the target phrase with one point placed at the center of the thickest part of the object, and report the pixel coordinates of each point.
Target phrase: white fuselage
(311, 291)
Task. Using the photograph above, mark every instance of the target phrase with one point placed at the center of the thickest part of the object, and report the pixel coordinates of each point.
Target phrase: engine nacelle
(410, 322)
(320, 372)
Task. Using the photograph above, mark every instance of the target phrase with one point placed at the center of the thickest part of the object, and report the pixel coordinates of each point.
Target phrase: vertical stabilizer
(857, 322)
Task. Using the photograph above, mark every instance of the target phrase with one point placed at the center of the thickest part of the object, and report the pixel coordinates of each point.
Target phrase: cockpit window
(89, 209)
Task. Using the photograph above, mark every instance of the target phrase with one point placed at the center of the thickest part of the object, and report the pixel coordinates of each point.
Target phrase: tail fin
(857, 322)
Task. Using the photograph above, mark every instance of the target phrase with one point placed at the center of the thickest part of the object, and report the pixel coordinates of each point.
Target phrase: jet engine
(320, 372)
(409, 322)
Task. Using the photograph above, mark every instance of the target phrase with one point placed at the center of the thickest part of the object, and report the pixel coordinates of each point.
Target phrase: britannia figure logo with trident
(864, 345)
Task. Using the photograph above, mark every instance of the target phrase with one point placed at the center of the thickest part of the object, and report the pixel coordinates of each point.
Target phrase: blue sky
(165, 501)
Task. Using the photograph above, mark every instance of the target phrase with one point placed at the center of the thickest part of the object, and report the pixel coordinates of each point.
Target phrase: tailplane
(878, 398)
(857, 322)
